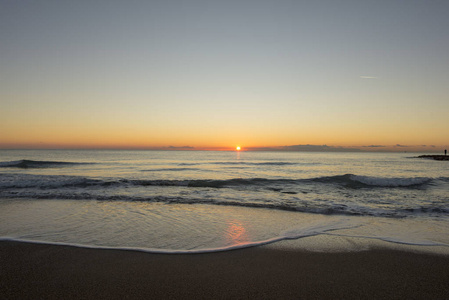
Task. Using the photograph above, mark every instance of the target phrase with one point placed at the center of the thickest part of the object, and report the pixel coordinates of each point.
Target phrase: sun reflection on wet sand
(236, 233)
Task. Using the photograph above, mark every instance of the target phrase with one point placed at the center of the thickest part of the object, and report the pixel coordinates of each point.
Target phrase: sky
(370, 75)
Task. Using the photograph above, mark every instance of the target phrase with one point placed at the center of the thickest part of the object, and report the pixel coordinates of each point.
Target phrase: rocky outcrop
(435, 157)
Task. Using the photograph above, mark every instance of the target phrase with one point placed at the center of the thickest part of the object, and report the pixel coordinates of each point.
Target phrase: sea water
(199, 201)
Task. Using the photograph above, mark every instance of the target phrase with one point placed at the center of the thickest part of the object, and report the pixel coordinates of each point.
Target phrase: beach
(38, 271)
(224, 150)
(206, 225)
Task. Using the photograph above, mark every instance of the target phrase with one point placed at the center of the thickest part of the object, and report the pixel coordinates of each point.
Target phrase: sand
(40, 271)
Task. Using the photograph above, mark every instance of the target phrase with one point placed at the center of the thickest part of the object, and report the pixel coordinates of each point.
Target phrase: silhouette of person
(445, 152)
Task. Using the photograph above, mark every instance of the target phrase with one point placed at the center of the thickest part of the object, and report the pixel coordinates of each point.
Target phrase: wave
(268, 163)
(391, 182)
(299, 207)
(29, 164)
(172, 169)
(329, 228)
(292, 234)
(347, 180)
(355, 181)
(25, 181)
(243, 163)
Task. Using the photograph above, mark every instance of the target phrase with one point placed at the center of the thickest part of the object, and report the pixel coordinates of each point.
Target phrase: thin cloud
(374, 146)
(180, 148)
(305, 148)
(369, 77)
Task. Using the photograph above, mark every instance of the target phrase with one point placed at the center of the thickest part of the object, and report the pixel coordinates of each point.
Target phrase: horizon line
(355, 150)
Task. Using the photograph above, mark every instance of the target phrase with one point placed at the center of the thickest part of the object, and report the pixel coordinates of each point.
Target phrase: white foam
(320, 228)
(396, 240)
(150, 250)
(316, 228)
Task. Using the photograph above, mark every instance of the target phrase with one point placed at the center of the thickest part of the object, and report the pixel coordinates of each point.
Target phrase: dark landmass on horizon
(435, 157)
(305, 148)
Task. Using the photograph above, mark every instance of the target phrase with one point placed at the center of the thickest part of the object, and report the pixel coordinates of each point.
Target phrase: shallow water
(198, 201)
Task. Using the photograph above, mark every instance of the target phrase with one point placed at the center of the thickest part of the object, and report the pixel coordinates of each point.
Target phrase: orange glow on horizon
(110, 136)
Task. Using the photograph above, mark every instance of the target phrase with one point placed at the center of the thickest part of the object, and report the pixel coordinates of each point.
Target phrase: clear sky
(215, 74)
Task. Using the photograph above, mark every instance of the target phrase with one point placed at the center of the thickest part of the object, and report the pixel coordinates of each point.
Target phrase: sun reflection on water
(236, 233)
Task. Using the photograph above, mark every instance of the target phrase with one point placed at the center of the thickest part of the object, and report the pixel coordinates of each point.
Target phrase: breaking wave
(313, 229)
(268, 163)
(245, 163)
(355, 181)
(341, 194)
(29, 164)
(172, 169)
(298, 205)
(347, 180)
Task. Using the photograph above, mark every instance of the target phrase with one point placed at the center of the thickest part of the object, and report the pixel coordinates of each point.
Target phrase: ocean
(205, 201)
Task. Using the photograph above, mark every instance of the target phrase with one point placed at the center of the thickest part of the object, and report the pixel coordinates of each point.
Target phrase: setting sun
(238, 148)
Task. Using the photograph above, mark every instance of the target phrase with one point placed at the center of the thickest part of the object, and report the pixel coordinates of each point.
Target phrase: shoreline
(38, 270)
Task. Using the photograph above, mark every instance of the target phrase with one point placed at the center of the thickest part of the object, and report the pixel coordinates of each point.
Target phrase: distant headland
(435, 157)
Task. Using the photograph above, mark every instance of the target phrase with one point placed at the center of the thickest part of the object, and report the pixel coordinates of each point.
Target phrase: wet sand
(40, 271)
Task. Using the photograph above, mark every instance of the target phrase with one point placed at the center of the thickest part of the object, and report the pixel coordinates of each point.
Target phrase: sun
(238, 148)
